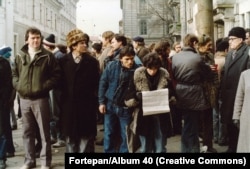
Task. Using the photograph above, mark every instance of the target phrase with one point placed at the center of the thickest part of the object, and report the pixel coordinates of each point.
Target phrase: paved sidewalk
(173, 146)
(16, 162)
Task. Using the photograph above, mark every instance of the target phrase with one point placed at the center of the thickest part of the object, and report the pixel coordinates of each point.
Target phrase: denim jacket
(114, 82)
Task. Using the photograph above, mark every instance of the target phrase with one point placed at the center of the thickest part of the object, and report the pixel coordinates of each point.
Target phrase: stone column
(204, 17)
(183, 18)
(247, 20)
(228, 24)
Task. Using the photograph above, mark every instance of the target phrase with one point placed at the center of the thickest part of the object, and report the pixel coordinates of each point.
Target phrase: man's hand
(236, 123)
(102, 109)
(139, 96)
(172, 100)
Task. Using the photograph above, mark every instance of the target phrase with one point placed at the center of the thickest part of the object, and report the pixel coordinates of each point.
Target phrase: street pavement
(173, 146)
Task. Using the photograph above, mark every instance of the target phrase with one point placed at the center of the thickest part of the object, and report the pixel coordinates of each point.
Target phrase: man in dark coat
(5, 94)
(80, 79)
(237, 60)
(190, 71)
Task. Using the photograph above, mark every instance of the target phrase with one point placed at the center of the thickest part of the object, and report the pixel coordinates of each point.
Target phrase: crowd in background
(63, 91)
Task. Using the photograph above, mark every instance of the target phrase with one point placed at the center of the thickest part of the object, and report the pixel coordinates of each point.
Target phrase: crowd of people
(63, 91)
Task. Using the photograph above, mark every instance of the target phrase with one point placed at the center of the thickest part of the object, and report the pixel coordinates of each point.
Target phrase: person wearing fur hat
(35, 72)
(237, 60)
(80, 79)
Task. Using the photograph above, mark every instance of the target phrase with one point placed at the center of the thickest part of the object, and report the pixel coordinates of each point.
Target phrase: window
(143, 27)
(142, 6)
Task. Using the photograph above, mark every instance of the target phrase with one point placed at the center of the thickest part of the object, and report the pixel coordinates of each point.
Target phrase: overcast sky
(96, 16)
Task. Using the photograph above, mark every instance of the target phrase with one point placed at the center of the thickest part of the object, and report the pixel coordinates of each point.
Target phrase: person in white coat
(241, 113)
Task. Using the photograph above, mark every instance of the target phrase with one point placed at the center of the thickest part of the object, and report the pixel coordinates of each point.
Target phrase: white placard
(155, 102)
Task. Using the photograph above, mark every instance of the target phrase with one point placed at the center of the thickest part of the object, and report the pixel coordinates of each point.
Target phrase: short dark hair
(127, 51)
(32, 30)
(222, 44)
(121, 38)
(86, 36)
(62, 48)
(97, 47)
(152, 60)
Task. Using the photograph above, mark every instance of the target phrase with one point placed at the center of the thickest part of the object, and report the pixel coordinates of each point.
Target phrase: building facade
(151, 19)
(226, 14)
(173, 19)
(50, 16)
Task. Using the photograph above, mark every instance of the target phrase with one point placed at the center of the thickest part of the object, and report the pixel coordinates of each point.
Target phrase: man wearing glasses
(237, 60)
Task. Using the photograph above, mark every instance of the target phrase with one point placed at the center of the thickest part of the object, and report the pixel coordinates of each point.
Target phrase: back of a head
(151, 46)
(62, 48)
(50, 42)
(161, 47)
(97, 47)
(222, 44)
(189, 40)
(121, 38)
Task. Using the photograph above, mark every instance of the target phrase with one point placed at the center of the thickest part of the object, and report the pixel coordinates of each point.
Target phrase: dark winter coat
(190, 71)
(230, 78)
(5, 92)
(142, 52)
(211, 85)
(79, 95)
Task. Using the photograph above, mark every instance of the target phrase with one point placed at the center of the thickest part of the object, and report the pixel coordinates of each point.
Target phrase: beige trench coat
(242, 112)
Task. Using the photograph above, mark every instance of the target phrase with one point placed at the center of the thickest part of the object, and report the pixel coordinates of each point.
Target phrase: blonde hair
(108, 35)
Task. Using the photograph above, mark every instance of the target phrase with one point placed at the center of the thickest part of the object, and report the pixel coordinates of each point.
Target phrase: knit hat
(75, 36)
(50, 40)
(138, 39)
(238, 32)
(5, 51)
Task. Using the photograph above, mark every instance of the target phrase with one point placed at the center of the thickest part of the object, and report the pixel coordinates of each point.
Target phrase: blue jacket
(113, 79)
